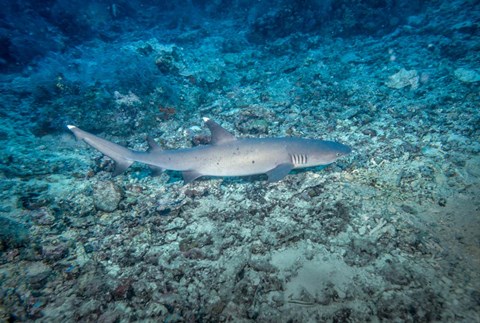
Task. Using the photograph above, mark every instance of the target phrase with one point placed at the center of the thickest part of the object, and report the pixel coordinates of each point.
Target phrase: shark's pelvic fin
(190, 175)
(219, 134)
(121, 165)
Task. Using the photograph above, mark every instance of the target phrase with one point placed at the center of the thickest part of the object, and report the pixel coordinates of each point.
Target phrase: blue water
(390, 232)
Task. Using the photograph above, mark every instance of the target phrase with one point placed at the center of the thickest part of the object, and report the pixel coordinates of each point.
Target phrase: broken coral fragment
(402, 79)
(467, 75)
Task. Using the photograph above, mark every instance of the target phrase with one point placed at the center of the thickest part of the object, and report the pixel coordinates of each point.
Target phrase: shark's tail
(122, 156)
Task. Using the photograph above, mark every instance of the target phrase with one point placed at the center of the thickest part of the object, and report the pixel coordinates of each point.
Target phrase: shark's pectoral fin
(190, 175)
(279, 172)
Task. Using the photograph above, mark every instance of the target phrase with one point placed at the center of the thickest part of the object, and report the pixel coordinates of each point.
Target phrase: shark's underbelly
(247, 164)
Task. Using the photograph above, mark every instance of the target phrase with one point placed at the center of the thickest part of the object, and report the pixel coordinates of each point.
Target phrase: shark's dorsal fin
(219, 134)
(152, 145)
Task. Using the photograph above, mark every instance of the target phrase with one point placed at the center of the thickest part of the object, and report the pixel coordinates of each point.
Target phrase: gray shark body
(226, 155)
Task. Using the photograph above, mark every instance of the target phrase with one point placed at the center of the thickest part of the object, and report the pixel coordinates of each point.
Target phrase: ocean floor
(389, 233)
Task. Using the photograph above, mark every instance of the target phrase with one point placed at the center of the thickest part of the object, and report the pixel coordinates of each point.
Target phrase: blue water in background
(389, 233)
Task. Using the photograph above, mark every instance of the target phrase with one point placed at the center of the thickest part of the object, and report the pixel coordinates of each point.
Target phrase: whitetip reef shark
(226, 155)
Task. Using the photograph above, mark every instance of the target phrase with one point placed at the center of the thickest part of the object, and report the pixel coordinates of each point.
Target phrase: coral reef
(390, 233)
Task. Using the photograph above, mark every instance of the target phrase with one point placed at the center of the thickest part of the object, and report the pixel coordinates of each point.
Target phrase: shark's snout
(339, 149)
(344, 149)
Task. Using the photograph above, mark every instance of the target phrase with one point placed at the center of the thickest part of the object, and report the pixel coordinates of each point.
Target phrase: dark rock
(110, 316)
(334, 218)
(123, 290)
(475, 294)
(12, 234)
(342, 315)
(262, 265)
(370, 132)
(361, 252)
(409, 209)
(89, 248)
(194, 253)
(37, 274)
(315, 190)
(55, 252)
(193, 193)
(396, 273)
(328, 295)
(88, 310)
(166, 62)
(442, 201)
(34, 200)
(92, 282)
(416, 306)
(42, 216)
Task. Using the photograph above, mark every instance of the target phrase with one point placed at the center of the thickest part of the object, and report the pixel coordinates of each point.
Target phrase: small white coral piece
(402, 79)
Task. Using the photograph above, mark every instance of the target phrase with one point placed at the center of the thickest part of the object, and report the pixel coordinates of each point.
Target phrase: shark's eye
(338, 154)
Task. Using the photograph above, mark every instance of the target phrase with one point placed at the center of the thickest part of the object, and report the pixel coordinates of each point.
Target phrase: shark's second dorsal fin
(219, 134)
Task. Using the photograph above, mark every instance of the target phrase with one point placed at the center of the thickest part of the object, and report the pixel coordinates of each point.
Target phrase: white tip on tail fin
(205, 119)
(122, 156)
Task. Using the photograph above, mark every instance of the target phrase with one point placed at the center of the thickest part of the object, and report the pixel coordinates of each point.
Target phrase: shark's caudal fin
(122, 156)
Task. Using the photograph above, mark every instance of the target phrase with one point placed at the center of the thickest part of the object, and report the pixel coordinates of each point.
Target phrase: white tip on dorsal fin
(70, 127)
(219, 134)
